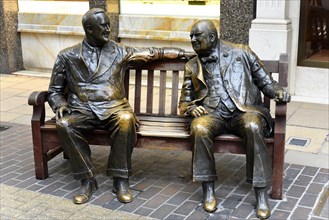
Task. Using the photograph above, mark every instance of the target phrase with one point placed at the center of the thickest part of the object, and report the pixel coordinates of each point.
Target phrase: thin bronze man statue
(222, 92)
(92, 73)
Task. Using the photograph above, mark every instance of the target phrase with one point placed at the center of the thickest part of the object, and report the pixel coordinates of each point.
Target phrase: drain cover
(298, 141)
(4, 127)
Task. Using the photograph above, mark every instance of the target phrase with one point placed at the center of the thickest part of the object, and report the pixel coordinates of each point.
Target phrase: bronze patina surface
(86, 91)
(222, 93)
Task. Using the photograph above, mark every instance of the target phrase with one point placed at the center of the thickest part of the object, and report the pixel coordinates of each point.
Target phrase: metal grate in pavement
(4, 127)
(299, 141)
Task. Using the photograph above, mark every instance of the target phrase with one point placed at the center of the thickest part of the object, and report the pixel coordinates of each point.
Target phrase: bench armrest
(280, 117)
(38, 100)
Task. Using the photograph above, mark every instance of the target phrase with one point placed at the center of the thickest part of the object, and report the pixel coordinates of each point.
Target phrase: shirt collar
(213, 57)
(90, 48)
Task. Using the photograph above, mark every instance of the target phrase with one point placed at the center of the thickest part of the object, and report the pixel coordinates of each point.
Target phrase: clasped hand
(61, 110)
(198, 111)
(282, 96)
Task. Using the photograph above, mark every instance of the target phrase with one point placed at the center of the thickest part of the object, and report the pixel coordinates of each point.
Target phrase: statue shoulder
(237, 49)
(233, 46)
(75, 49)
(193, 61)
(115, 46)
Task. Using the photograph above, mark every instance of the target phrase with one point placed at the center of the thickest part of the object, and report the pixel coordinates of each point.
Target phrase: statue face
(98, 30)
(201, 39)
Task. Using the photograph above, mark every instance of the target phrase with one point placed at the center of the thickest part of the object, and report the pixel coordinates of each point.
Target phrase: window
(313, 46)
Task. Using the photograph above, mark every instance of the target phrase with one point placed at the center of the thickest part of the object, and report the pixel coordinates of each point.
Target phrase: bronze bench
(160, 125)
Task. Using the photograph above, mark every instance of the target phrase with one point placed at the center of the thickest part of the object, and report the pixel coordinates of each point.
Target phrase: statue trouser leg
(203, 129)
(252, 126)
(122, 128)
(76, 147)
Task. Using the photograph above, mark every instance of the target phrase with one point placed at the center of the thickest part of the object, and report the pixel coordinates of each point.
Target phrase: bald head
(204, 37)
(96, 25)
(89, 17)
(206, 25)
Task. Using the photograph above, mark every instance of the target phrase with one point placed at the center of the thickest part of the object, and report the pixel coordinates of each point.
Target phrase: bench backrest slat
(149, 94)
(163, 82)
(174, 95)
(162, 93)
(138, 91)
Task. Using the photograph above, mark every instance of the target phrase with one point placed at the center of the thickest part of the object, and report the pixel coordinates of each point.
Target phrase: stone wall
(11, 58)
(235, 20)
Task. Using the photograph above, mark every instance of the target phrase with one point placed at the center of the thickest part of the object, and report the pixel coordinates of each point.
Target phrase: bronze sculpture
(92, 73)
(222, 92)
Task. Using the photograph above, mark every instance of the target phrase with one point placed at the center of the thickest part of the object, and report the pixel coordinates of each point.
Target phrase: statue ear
(212, 37)
(89, 29)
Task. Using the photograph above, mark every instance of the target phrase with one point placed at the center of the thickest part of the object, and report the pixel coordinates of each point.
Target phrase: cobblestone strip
(18, 203)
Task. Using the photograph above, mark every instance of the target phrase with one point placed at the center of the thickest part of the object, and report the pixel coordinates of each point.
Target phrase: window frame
(301, 61)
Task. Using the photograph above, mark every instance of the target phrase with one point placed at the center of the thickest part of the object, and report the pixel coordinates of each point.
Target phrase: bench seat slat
(177, 119)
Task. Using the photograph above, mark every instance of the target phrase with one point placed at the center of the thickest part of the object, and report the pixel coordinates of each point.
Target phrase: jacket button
(238, 59)
(225, 54)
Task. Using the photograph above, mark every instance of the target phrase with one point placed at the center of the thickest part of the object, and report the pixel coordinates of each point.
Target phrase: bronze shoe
(122, 190)
(209, 198)
(262, 207)
(88, 187)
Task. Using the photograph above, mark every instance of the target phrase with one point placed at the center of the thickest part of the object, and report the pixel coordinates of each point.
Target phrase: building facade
(270, 27)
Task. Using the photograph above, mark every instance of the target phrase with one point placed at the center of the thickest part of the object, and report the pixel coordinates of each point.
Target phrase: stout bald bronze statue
(222, 92)
(92, 73)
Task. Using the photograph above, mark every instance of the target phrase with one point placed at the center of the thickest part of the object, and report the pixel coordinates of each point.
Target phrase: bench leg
(65, 156)
(41, 165)
(40, 158)
(278, 162)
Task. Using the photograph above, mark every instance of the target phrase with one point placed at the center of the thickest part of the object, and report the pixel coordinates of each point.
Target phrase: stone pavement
(161, 180)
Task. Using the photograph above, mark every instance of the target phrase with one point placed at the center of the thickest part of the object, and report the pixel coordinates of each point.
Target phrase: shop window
(313, 48)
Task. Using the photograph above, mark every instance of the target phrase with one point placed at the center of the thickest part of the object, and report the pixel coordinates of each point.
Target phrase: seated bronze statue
(222, 93)
(86, 91)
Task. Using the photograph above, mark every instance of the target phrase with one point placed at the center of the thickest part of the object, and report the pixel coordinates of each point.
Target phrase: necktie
(93, 60)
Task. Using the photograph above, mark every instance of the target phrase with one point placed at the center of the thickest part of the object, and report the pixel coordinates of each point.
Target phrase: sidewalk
(161, 180)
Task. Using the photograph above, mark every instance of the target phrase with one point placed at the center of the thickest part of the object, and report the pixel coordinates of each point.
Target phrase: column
(271, 31)
(112, 9)
(11, 58)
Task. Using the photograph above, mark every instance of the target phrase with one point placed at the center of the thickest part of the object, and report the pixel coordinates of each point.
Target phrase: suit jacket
(244, 78)
(98, 92)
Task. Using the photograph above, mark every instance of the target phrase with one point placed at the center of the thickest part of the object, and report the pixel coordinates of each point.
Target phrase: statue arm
(152, 54)
(56, 90)
(264, 80)
(186, 101)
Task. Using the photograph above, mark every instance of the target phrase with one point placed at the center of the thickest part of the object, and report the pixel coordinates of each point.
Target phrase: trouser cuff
(259, 183)
(119, 173)
(203, 178)
(83, 175)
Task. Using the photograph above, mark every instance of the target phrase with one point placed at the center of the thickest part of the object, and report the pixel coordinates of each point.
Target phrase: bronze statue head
(204, 37)
(96, 25)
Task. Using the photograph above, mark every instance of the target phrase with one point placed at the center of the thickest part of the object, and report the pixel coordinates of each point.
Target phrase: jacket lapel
(225, 57)
(80, 63)
(106, 59)
(200, 74)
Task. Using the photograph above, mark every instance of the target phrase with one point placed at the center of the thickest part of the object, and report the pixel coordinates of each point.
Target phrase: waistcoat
(217, 99)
